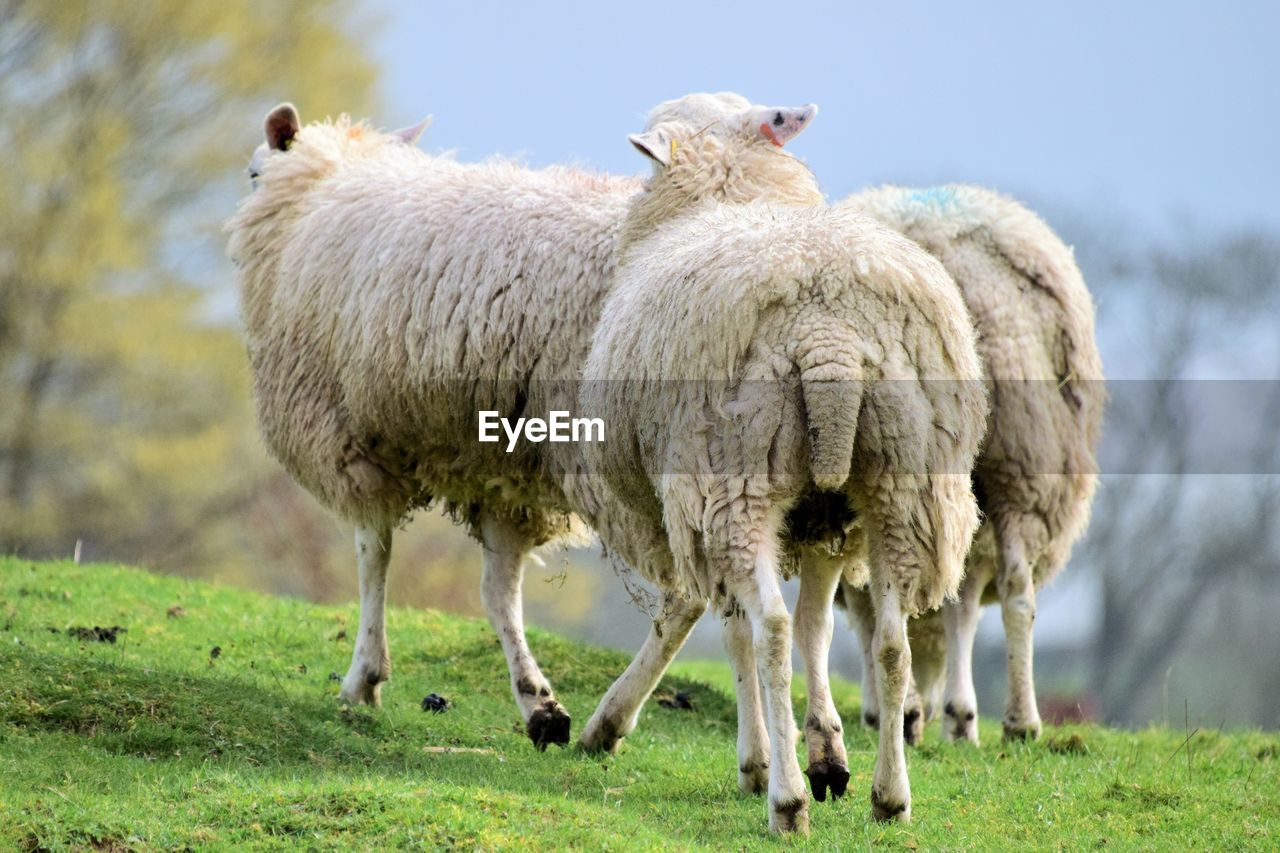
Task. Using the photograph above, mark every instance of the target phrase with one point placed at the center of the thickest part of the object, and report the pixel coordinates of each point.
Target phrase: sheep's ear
(655, 144)
(780, 125)
(410, 135)
(281, 126)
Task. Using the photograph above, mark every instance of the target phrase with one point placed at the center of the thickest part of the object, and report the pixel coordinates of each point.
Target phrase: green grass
(150, 743)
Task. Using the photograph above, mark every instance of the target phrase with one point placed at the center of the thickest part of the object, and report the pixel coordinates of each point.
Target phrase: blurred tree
(126, 126)
(1184, 541)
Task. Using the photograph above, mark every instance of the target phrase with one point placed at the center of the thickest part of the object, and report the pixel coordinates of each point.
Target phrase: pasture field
(157, 741)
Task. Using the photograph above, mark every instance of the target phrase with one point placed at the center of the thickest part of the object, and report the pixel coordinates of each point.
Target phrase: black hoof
(1019, 732)
(961, 725)
(605, 738)
(790, 817)
(885, 810)
(753, 778)
(825, 774)
(548, 724)
(871, 720)
(913, 726)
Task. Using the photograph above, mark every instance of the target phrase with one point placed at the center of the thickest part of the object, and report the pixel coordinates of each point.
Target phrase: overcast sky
(1151, 111)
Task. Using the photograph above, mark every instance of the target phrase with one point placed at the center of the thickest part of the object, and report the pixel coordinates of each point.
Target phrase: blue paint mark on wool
(941, 198)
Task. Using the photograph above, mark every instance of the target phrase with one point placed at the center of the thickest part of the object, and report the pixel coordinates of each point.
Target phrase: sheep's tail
(832, 399)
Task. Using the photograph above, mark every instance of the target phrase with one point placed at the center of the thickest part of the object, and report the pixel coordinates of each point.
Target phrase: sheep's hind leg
(862, 616)
(761, 597)
(890, 788)
(505, 548)
(753, 736)
(371, 660)
(960, 620)
(824, 735)
(1018, 607)
(616, 715)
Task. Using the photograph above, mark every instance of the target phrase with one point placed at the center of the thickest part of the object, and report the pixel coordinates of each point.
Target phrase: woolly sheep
(387, 297)
(786, 367)
(1037, 472)
(1035, 323)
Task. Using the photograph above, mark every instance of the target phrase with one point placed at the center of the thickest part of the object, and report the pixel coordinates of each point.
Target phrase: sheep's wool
(1035, 324)
(771, 349)
(388, 296)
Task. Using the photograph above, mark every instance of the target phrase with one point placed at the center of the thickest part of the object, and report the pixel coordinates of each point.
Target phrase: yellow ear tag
(673, 149)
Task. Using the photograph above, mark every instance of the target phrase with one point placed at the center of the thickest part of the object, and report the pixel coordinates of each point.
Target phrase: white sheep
(1037, 472)
(1034, 320)
(388, 297)
(769, 369)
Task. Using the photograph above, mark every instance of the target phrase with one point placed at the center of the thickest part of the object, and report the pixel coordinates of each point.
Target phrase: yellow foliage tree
(125, 414)
(126, 127)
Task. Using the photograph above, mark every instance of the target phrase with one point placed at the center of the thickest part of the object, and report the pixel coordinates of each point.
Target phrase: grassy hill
(213, 721)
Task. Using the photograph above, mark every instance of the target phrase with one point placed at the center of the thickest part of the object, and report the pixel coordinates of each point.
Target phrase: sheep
(786, 367)
(1037, 472)
(388, 297)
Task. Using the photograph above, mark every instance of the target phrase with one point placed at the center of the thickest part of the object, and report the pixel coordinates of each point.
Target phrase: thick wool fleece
(1035, 323)
(774, 350)
(389, 295)
(710, 168)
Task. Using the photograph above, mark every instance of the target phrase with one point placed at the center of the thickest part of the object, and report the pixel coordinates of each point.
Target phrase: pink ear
(281, 127)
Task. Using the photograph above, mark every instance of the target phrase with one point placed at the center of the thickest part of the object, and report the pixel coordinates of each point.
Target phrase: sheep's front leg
(371, 660)
(753, 736)
(616, 715)
(960, 700)
(890, 788)
(824, 735)
(505, 547)
(1018, 607)
(761, 597)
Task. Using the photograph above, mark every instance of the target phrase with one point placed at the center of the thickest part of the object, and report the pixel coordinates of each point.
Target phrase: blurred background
(1145, 133)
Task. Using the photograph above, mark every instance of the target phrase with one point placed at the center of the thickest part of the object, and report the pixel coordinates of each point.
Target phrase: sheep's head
(282, 128)
(719, 149)
(725, 115)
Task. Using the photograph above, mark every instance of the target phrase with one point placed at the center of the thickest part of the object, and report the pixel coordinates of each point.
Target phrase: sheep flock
(723, 378)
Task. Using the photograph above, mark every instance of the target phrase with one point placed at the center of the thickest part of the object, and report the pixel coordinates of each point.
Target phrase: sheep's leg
(753, 736)
(760, 595)
(960, 621)
(928, 652)
(862, 617)
(890, 788)
(1018, 607)
(505, 547)
(616, 715)
(371, 660)
(824, 735)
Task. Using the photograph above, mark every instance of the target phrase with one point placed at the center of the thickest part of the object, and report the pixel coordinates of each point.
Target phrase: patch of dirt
(177, 611)
(1145, 796)
(1071, 744)
(96, 634)
(678, 702)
